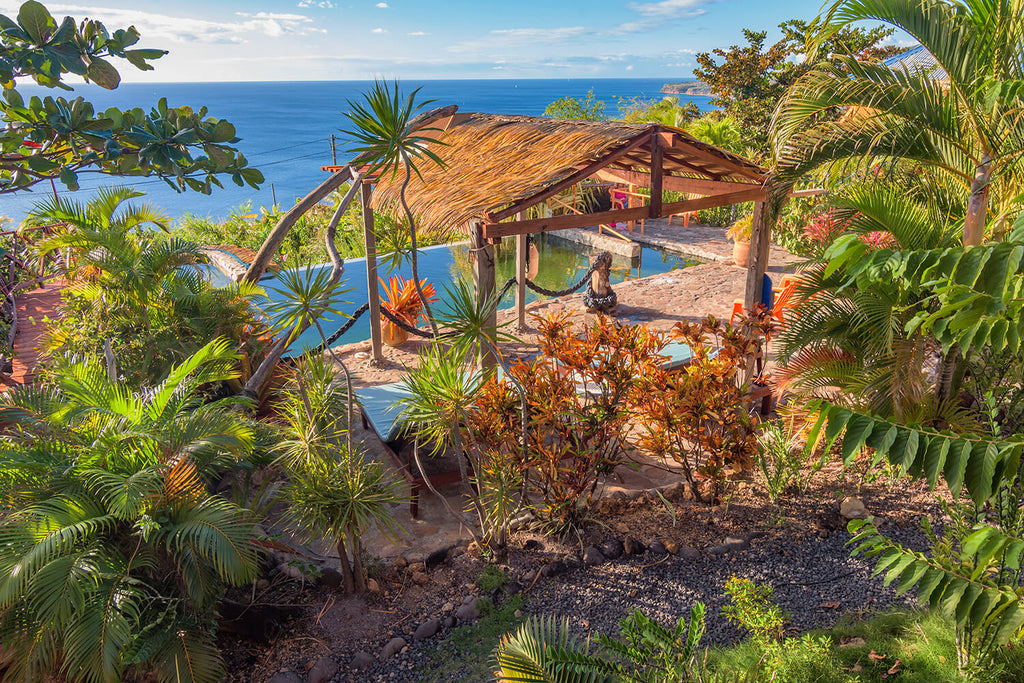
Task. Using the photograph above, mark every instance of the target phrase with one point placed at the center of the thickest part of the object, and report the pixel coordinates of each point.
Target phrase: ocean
(285, 128)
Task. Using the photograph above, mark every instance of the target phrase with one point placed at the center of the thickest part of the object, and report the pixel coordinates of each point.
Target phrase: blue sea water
(285, 127)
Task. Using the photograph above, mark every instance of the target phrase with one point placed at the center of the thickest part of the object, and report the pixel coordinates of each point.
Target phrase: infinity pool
(557, 267)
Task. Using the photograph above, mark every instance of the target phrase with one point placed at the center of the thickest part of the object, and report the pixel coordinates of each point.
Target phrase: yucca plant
(114, 552)
(385, 141)
(333, 492)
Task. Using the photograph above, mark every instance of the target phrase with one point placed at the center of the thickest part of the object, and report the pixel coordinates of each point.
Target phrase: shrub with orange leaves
(403, 301)
(579, 394)
(699, 416)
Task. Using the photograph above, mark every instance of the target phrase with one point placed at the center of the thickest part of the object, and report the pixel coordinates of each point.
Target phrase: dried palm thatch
(492, 161)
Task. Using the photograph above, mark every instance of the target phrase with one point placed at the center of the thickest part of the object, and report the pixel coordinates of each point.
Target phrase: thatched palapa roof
(492, 162)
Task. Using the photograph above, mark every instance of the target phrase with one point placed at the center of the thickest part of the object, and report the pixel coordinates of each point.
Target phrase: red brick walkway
(33, 308)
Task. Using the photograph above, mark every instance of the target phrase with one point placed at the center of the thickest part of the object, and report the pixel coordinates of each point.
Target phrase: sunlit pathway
(34, 308)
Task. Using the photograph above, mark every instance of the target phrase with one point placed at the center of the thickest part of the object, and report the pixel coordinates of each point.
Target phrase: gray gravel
(806, 571)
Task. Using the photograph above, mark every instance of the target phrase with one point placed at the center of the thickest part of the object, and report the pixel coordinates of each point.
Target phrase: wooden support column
(370, 238)
(656, 175)
(483, 279)
(760, 239)
(522, 260)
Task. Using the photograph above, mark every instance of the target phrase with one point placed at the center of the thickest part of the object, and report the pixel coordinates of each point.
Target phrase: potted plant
(739, 233)
(404, 303)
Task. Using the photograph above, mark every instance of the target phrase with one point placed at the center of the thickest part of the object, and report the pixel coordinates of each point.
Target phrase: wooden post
(656, 177)
(483, 279)
(760, 239)
(522, 258)
(371, 273)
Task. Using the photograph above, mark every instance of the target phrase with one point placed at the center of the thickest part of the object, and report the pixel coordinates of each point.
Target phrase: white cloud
(382, 5)
(322, 4)
(419, 33)
(655, 14)
(158, 27)
(517, 37)
(379, 30)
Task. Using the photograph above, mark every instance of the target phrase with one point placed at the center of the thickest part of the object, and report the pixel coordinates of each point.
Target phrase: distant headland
(686, 88)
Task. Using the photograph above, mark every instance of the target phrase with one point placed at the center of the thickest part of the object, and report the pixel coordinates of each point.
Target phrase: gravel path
(814, 579)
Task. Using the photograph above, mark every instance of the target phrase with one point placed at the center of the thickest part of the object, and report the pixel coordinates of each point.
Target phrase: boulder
(372, 586)
(690, 554)
(393, 647)
(362, 660)
(322, 671)
(633, 546)
(437, 557)
(853, 508)
(658, 548)
(672, 547)
(592, 556)
(533, 544)
(612, 549)
(469, 611)
(736, 543)
(428, 629)
(553, 569)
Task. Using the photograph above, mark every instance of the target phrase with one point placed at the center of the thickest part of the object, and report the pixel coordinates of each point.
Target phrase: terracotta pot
(391, 334)
(741, 253)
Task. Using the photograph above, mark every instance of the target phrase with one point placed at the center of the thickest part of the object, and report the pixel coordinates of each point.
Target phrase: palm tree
(722, 132)
(966, 127)
(388, 142)
(115, 553)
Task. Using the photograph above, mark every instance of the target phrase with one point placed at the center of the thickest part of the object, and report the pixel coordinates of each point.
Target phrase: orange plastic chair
(784, 295)
(687, 216)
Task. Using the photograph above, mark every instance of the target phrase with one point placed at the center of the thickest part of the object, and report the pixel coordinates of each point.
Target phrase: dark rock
(469, 611)
(553, 569)
(449, 622)
(362, 660)
(437, 557)
(533, 544)
(691, 554)
(592, 556)
(718, 550)
(658, 548)
(393, 647)
(754, 535)
(428, 629)
(285, 677)
(612, 549)
(513, 588)
(633, 546)
(329, 578)
(736, 543)
(322, 671)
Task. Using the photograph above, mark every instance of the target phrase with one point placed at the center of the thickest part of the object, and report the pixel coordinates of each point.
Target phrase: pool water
(557, 266)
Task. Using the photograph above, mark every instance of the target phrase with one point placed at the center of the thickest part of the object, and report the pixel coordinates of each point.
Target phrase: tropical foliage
(334, 491)
(136, 293)
(54, 138)
(115, 553)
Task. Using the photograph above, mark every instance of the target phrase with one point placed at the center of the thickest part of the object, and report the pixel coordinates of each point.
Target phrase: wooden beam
(576, 177)
(701, 186)
(619, 215)
(656, 176)
(483, 278)
(721, 161)
(370, 238)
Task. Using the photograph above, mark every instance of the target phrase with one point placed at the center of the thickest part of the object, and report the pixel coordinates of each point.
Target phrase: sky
(275, 40)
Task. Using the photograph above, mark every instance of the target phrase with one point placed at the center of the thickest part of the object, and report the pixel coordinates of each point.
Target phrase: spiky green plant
(385, 140)
(114, 552)
(333, 492)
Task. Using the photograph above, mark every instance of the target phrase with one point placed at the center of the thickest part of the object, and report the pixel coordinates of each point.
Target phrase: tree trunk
(413, 260)
(977, 203)
(263, 372)
(358, 570)
(346, 569)
(274, 238)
